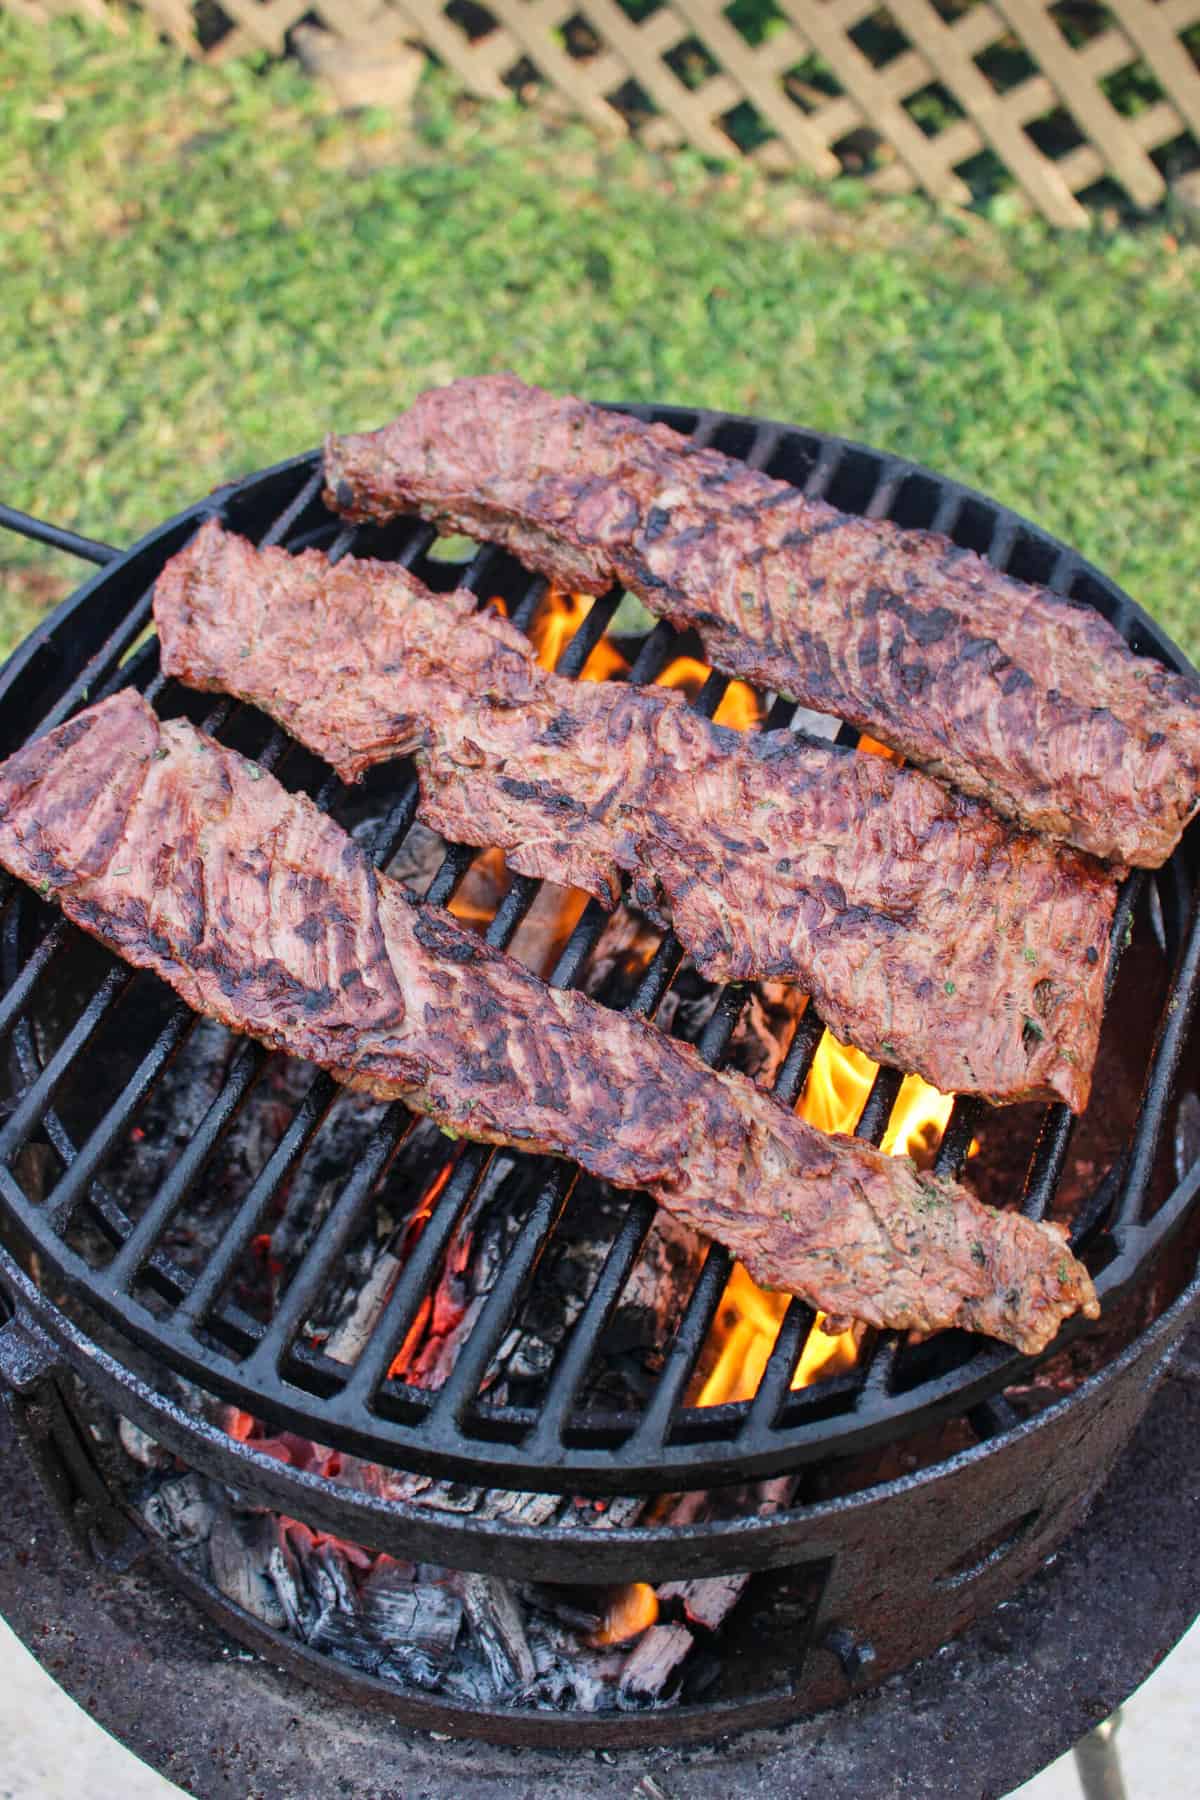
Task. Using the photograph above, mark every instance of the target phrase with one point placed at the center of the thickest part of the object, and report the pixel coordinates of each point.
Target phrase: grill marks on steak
(186, 859)
(930, 935)
(1005, 690)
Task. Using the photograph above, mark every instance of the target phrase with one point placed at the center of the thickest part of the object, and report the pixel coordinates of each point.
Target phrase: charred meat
(930, 934)
(258, 910)
(1006, 691)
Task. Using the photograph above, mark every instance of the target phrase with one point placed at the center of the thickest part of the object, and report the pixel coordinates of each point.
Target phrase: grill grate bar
(654, 655)
(659, 975)
(795, 1068)
(17, 997)
(722, 1023)
(462, 1385)
(891, 480)
(526, 607)
(585, 639)
(1003, 540)
(340, 1223)
(248, 1219)
(66, 1194)
(1164, 1063)
(397, 825)
(414, 1281)
(684, 1350)
(775, 1382)
(29, 1109)
(878, 1109)
(482, 566)
(579, 946)
(282, 524)
(1048, 1160)
(829, 461)
(518, 899)
(1058, 1125)
(841, 1409)
(555, 1410)
(450, 874)
(247, 1065)
(947, 512)
(952, 1152)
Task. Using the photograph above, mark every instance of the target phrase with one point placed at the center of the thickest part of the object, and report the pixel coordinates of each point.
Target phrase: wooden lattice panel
(908, 94)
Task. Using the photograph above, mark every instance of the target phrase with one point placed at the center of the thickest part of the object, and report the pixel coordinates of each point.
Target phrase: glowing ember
(401, 1365)
(630, 1610)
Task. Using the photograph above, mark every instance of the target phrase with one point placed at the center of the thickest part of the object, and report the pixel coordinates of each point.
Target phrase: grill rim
(605, 1470)
(517, 1550)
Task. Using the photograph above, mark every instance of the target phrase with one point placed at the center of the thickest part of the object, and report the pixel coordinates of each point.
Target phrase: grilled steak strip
(1005, 690)
(930, 935)
(259, 911)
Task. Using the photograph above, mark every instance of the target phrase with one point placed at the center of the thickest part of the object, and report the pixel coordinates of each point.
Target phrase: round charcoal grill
(127, 1275)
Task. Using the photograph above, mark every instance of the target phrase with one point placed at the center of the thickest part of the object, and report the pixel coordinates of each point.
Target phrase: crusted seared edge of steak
(259, 911)
(1006, 690)
(930, 934)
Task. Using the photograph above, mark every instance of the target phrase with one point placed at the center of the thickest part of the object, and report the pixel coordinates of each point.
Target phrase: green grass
(205, 270)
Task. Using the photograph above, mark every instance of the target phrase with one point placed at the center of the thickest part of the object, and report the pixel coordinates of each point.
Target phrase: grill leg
(1098, 1762)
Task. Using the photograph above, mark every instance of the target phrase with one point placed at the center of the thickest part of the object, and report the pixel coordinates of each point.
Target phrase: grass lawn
(204, 270)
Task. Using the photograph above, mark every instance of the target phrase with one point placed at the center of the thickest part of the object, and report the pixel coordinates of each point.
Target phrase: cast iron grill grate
(96, 643)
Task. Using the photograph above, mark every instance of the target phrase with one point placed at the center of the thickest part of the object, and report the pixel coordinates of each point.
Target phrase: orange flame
(555, 623)
(629, 1611)
(740, 706)
(479, 893)
(749, 1317)
(399, 1367)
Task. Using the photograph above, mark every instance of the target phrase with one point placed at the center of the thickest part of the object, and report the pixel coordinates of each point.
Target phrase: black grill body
(115, 1307)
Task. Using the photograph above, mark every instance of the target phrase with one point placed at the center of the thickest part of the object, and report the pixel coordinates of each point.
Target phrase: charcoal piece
(141, 1446)
(313, 1581)
(346, 1343)
(498, 1631)
(283, 1571)
(706, 1602)
(654, 1667)
(240, 1550)
(417, 1622)
(602, 1515)
(181, 1511)
(332, 1577)
(575, 1609)
(344, 1636)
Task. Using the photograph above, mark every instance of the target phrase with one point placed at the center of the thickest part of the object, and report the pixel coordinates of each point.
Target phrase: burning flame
(559, 617)
(749, 1317)
(401, 1364)
(555, 623)
(629, 1611)
(740, 706)
(479, 893)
